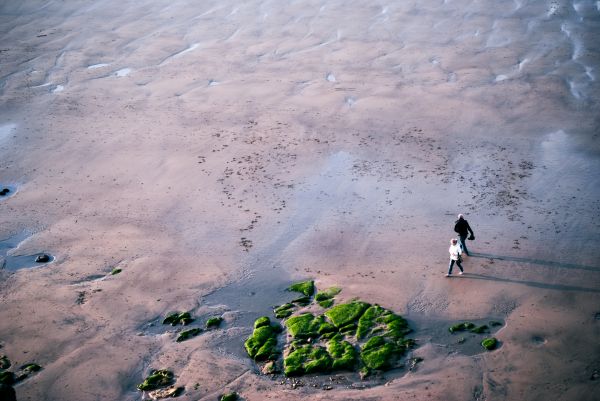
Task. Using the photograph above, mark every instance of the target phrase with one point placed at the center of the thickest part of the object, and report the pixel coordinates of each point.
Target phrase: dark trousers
(463, 243)
(452, 265)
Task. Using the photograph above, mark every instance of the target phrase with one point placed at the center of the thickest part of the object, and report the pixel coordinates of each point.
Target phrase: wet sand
(218, 152)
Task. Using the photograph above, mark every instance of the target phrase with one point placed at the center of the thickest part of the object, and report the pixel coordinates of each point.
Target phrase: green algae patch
(383, 322)
(157, 379)
(214, 322)
(304, 326)
(262, 344)
(348, 313)
(7, 378)
(187, 334)
(343, 353)
(116, 271)
(176, 318)
(461, 327)
(284, 311)
(229, 397)
(305, 287)
(378, 354)
(325, 298)
(489, 343)
(4, 362)
(307, 359)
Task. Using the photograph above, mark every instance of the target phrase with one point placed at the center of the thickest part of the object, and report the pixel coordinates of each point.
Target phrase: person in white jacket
(455, 252)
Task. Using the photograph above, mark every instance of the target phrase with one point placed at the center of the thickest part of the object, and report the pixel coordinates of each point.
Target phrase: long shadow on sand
(536, 284)
(535, 261)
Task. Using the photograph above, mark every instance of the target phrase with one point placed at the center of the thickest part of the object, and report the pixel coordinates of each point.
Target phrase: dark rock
(7, 393)
(4, 191)
(42, 258)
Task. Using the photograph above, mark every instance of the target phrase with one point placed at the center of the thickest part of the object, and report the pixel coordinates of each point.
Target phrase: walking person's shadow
(536, 284)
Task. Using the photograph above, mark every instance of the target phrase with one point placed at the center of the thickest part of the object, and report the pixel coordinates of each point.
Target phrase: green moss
(262, 344)
(7, 378)
(377, 354)
(214, 322)
(461, 327)
(187, 334)
(176, 318)
(157, 379)
(302, 301)
(116, 271)
(304, 326)
(229, 397)
(4, 362)
(284, 311)
(328, 303)
(343, 314)
(305, 287)
(307, 359)
(480, 329)
(262, 321)
(343, 354)
(31, 367)
(489, 343)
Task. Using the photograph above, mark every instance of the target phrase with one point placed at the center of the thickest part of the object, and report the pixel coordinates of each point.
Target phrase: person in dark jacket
(461, 226)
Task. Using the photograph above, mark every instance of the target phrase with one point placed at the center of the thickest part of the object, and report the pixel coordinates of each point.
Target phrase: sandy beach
(212, 153)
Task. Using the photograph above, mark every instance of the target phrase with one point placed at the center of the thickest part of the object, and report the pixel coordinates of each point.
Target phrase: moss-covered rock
(325, 298)
(383, 322)
(305, 287)
(157, 379)
(229, 397)
(343, 353)
(176, 318)
(307, 359)
(377, 354)
(305, 325)
(116, 271)
(214, 322)
(4, 362)
(262, 344)
(489, 343)
(302, 301)
(343, 314)
(461, 327)
(187, 334)
(7, 378)
(262, 321)
(284, 311)
(480, 329)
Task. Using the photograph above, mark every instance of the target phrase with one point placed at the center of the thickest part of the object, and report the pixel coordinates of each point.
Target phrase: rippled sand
(216, 151)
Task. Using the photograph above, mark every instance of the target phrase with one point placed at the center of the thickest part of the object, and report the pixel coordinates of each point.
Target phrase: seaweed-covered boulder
(307, 359)
(229, 397)
(262, 321)
(262, 344)
(214, 322)
(7, 392)
(343, 353)
(176, 318)
(157, 379)
(305, 287)
(489, 343)
(284, 310)
(187, 334)
(4, 362)
(306, 325)
(461, 327)
(348, 313)
(325, 298)
(378, 354)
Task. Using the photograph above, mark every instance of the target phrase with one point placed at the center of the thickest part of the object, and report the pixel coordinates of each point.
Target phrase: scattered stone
(187, 334)
(176, 318)
(461, 327)
(116, 271)
(489, 343)
(270, 368)
(169, 392)
(5, 191)
(156, 380)
(305, 287)
(480, 329)
(412, 363)
(214, 322)
(229, 397)
(26, 370)
(42, 258)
